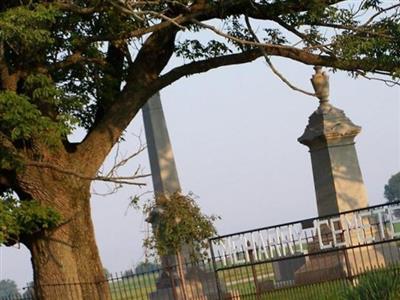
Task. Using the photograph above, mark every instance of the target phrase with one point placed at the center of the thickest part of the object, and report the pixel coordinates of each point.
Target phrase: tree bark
(66, 262)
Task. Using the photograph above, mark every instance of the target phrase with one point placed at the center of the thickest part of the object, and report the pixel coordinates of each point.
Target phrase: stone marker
(166, 182)
(162, 161)
(338, 185)
(330, 136)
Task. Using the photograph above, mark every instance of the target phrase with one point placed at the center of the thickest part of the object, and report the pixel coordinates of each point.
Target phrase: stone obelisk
(162, 161)
(166, 182)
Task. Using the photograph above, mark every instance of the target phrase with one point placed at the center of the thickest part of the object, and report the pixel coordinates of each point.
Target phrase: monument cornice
(330, 126)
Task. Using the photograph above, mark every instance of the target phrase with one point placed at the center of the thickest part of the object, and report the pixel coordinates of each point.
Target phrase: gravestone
(285, 270)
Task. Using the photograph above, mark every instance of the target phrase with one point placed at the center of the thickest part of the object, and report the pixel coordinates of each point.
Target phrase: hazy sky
(234, 133)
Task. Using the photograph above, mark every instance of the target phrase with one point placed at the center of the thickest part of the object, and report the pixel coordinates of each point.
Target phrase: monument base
(285, 270)
(319, 268)
(193, 290)
(199, 284)
(341, 264)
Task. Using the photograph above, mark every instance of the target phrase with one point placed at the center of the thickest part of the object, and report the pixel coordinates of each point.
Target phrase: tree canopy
(68, 64)
(8, 288)
(392, 188)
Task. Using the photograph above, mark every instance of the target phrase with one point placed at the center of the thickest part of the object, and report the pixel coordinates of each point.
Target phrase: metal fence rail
(311, 258)
(199, 284)
(238, 284)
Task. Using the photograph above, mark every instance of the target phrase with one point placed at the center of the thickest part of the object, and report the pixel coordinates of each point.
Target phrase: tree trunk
(65, 260)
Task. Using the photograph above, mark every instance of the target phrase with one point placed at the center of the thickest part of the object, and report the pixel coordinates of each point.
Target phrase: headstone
(284, 270)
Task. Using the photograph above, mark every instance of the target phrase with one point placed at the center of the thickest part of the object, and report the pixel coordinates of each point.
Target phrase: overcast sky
(234, 133)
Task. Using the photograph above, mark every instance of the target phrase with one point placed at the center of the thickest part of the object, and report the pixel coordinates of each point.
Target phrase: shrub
(177, 221)
(376, 285)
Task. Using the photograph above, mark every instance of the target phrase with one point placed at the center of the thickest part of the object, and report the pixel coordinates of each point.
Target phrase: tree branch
(271, 50)
(71, 7)
(272, 67)
(131, 180)
(76, 58)
(264, 11)
(212, 10)
(373, 17)
(150, 61)
(204, 66)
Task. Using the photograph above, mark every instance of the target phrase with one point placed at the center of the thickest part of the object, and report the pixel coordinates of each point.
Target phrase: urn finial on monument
(330, 137)
(320, 83)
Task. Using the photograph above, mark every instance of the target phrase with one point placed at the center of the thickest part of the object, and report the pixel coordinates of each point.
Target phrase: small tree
(178, 224)
(178, 221)
(392, 188)
(8, 288)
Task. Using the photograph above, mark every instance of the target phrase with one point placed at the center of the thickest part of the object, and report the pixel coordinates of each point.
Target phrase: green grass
(324, 291)
(246, 273)
(134, 288)
(241, 280)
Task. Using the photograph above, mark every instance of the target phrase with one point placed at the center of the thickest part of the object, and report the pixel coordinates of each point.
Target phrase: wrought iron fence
(319, 258)
(166, 283)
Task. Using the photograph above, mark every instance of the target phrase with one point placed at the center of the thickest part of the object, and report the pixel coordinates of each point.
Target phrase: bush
(376, 285)
(178, 221)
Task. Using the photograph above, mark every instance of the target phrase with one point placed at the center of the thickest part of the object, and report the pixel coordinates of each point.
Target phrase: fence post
(172, 279)
(214, 266)
(254, 271)
(348, 267)
(181, 274)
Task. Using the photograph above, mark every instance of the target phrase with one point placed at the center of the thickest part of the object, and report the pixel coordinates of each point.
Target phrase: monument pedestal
(338, 181)
(339, 264)
(354, 258)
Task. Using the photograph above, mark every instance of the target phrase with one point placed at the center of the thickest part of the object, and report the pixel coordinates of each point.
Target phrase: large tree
(92, 64)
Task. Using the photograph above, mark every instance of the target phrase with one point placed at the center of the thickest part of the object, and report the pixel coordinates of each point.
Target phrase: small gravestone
(284, 270)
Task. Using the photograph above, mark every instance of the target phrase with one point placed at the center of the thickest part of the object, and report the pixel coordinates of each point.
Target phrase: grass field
(140, 286)
(330, 291)
(137, 287)
(239, 280)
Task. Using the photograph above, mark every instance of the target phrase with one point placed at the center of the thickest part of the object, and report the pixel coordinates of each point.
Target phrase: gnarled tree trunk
(65, 260)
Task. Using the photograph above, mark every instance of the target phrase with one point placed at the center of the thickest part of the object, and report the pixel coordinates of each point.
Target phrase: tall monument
(162, 161)
(338, 186)
(166, 182)
(338, 182)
